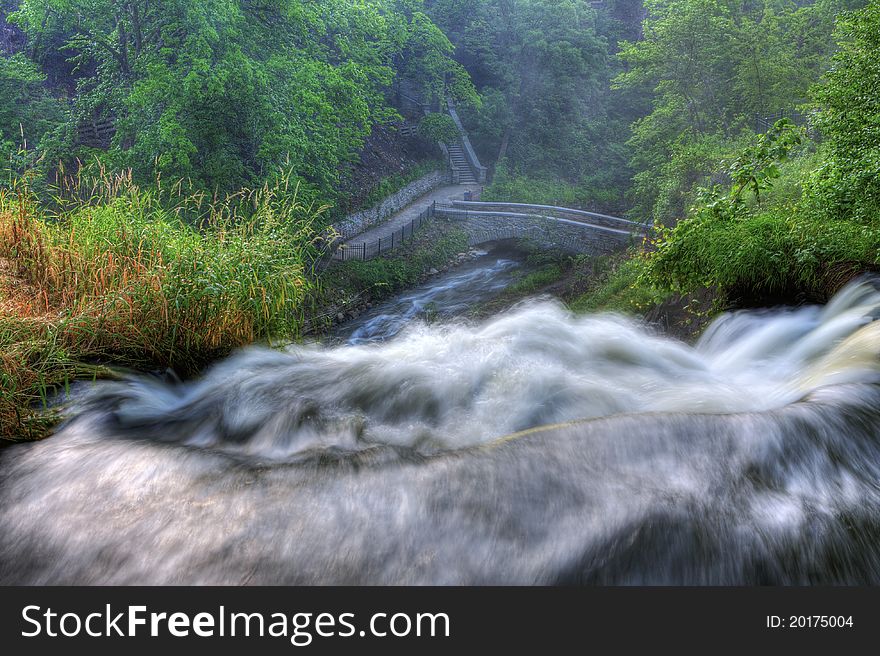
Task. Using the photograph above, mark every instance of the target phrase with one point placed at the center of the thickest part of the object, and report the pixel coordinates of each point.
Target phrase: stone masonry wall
(356, 223)
(545, 230)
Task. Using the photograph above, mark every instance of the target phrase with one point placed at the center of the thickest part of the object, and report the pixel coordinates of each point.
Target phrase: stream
(421, 447)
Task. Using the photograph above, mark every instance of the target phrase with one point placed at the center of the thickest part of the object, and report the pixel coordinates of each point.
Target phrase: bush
(621, 288)
(438, 127)
(770, 252)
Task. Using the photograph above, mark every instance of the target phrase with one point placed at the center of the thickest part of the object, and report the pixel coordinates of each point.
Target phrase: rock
(340, 317)
(432, 272)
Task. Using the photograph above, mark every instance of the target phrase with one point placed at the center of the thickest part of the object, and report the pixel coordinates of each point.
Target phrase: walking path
(403, 217)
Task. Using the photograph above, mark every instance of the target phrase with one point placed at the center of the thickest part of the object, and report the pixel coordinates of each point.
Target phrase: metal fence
(369, 250)
(764, 123)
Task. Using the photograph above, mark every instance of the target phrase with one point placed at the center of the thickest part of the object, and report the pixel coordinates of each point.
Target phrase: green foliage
(592, 193)
(426, 58)
(619, 287)
(543, 69)
(848, 185)
(765, 253)
(757, 167)
(438, 127)
(754, 170)
(27, 113)
(536, 279)
(224, 92)
(736, 244)
(712, 67)
(774, 217)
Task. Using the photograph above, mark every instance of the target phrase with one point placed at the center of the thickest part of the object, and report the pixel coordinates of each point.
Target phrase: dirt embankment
(386, 152)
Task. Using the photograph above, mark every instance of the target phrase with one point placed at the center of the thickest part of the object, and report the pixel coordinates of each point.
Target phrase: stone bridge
(575, 231)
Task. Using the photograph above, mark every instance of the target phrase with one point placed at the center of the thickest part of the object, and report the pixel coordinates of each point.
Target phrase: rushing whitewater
(538, 447)
(439, 387)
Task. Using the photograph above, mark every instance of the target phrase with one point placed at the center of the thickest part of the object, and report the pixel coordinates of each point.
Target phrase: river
(420, 447)
(449, 295)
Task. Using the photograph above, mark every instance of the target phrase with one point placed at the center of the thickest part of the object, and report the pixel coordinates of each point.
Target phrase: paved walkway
(411, 211)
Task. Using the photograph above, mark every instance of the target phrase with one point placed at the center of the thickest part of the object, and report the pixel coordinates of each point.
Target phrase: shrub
(438, 127)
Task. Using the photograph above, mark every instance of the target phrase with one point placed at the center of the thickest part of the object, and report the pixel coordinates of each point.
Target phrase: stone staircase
(462, 172)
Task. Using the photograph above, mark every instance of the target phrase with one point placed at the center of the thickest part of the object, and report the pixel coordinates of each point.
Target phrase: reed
(107, 272)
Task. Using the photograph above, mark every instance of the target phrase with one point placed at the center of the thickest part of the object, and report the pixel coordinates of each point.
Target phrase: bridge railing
(460, 212)
(553, 211)
(614, 228)
(576, 236)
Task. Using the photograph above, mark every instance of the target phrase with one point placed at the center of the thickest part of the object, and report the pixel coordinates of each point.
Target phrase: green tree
(542, 68)
(438, 127)
(224, 91)
(712, 67)
(27, 112)
(849, 118)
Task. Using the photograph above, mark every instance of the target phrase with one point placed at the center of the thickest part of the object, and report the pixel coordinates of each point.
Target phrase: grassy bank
(348, 285)
(118, 276)
(597, 193)
(607, 283)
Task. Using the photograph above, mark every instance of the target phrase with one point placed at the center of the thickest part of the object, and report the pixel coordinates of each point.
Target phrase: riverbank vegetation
(792, 215)
(217, 135)
(754, 157)
(118, 275)
(347, 287)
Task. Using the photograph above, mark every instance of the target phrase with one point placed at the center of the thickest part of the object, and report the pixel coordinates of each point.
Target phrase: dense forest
(221, 94)
(171, 166)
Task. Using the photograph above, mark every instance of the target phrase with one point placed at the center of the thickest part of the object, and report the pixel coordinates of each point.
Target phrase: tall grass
(145, 278)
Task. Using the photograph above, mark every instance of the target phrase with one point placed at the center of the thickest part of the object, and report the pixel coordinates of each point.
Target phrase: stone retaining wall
(356, 223)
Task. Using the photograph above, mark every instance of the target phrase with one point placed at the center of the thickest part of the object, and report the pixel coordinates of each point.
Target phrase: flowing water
(535, 447)
(450, 295)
